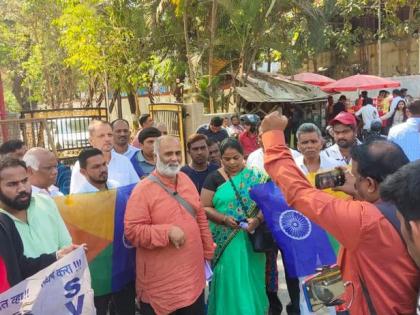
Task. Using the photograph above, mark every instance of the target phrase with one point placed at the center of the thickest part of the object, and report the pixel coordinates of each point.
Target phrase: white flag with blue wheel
(304, 245)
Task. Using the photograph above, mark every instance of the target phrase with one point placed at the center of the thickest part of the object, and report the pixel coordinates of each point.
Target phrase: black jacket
(18, 266)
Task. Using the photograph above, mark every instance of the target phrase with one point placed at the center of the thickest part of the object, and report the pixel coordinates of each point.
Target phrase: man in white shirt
(122, 133)
(42, 171)
(369, 114)
(344, 128)
(312, 160)
(256, 158)
(93, 167)
(407, 134)
(120, 168)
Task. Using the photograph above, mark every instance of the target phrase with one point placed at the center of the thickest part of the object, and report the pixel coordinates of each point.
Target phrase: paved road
(283, 295)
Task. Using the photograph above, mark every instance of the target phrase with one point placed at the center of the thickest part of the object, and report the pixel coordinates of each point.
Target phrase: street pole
(379, 39)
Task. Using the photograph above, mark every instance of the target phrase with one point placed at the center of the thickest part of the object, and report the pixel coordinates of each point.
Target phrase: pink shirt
(168, 278)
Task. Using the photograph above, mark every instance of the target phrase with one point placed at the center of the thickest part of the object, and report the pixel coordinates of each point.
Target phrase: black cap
(216, 121)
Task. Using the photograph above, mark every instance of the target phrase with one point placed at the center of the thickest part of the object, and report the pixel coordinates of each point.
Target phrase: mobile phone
(330, 179)
(243, 224)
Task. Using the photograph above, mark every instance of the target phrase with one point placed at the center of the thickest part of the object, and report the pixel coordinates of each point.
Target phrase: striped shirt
(407, 136)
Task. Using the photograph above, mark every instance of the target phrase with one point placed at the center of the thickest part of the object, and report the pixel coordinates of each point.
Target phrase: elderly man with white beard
(166, 223)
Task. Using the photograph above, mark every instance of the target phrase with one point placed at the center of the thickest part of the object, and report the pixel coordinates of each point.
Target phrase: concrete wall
(398, 58)
(195, 117)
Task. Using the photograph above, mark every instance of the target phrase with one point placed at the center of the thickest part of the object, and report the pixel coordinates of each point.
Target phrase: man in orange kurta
(373, 254)
(172, 245)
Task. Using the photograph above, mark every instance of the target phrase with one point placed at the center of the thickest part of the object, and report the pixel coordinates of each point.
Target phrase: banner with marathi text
(97, 219)
(64, 288)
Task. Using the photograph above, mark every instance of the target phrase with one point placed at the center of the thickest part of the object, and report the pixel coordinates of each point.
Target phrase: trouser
(123, 301)
(272, 287)
(197, 308)
(293, 308)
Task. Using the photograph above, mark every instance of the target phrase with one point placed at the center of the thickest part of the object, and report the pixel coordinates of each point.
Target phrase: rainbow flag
(97, 219)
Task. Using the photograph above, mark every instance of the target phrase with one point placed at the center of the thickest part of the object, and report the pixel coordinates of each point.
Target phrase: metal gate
(171, 115)
(67, 129)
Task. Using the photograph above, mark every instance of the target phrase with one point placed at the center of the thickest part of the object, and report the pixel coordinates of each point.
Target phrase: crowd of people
(183, 218)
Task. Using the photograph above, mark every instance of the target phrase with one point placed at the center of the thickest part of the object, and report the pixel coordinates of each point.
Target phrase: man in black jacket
(14, 266)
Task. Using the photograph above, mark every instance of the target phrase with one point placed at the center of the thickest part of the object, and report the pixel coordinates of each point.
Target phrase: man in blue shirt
(215, 130)
(144, 161)
(199, 167)
(407, 134)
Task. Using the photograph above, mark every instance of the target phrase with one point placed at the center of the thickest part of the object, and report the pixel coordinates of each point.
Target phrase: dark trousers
(123, 302)
(275, 305)
(197, 308)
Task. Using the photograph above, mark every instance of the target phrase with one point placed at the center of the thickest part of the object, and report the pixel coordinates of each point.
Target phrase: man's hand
(177, 236)
(253, 223)
(348, 186)
(68, 249)
(274, 121)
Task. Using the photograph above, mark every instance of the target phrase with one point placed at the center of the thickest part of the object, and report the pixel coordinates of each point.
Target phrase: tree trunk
(188, 48)
(315, 64)
(268, 60)
(132, 101)
(211, 50)
(114, 98)
(21, 93)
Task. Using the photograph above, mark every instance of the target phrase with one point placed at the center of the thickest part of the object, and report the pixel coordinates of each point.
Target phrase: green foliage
(11, 103)
(53, 50)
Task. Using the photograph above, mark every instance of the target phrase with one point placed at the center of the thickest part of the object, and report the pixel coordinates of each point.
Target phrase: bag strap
(174, 195)
(238, 196)
(389, 211)
(366, 294)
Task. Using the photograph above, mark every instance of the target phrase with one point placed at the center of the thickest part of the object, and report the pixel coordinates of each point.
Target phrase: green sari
(238, 283)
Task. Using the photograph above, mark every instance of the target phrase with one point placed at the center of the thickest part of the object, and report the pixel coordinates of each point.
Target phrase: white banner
(60, 289)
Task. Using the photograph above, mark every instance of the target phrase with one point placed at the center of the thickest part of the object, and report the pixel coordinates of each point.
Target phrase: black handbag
(262, 240)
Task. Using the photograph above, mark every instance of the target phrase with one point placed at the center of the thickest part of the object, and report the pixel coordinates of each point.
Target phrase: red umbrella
(313, 78)
(360, 82)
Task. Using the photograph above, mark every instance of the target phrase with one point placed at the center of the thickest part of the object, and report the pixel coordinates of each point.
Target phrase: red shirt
(4, 283)
(249, 142)
(372, 248)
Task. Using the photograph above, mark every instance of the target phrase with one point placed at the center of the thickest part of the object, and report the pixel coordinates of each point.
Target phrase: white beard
(168, 170)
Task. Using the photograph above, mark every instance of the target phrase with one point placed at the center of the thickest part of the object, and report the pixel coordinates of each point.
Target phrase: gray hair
(308, 128)
(95, 124)
(156, 145)
(31, 157)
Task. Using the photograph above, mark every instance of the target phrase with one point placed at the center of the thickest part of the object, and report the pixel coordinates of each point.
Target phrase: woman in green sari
(238, 283)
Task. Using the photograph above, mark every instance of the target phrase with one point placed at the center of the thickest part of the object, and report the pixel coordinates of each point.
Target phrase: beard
(345, 143)
(102, 179)
(169, 169)
(17, 203)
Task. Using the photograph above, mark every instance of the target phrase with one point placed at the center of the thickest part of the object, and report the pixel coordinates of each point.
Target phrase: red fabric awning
(313, 78)
(360, 82)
